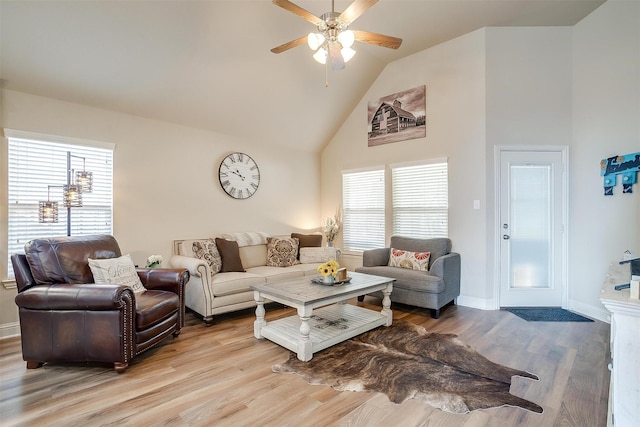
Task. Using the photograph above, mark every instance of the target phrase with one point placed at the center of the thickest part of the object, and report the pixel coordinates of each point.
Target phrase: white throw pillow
(318, 255)
(116, 271)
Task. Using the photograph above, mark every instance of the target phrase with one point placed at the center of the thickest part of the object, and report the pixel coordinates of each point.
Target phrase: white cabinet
(624, 394)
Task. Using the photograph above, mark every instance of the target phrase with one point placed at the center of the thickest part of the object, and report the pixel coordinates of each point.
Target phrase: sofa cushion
(154, 306)
(282, 252)
(64, 259)
(253, 256)
(408, 259)
(230, 254)
(234, 282)
(277, 274)
(207, 251)
(116, 271)
(419, 281)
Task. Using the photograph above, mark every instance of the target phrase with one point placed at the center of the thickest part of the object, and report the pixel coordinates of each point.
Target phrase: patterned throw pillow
(208, 252)
(410, 260)
(282, 252)
(116, 271)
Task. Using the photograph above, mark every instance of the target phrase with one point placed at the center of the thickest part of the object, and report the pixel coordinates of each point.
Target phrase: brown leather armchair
(65, 317)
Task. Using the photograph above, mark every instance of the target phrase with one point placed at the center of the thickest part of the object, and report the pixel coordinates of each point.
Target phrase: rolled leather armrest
(164, 279)
(89, 296)
(375, 257)
(195, 266)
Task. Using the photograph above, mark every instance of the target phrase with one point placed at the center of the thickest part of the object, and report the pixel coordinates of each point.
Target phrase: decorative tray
(318, 281)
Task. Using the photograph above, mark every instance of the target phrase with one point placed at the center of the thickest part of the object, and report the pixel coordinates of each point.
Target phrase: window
(37, 169)
(420, 199)
(363, 210)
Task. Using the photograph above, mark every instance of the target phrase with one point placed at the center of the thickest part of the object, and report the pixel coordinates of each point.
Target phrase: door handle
(505, 237)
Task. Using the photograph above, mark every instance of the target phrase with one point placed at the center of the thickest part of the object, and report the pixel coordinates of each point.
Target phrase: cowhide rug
(404, 361)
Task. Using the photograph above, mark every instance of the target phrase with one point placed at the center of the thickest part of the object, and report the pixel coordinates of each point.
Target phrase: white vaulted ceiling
(208, 64)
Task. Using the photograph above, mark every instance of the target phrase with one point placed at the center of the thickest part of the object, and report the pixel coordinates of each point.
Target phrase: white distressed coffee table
(324, 318)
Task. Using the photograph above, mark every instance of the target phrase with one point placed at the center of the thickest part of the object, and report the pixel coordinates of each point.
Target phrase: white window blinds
(420, 199)
(363, 203)
(36, 172)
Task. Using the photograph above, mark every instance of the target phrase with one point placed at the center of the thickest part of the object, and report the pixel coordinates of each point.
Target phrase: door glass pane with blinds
(420, 200)
(36, 172)
(363, 210)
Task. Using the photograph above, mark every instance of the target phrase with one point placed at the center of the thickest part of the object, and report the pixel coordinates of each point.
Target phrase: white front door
(531, 204)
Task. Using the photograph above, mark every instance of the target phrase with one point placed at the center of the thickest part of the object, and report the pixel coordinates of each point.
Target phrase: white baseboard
(9, 330)
(473, 302)
(599, 313)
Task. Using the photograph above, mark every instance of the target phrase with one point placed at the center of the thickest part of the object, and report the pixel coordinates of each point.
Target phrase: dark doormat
(545, 314)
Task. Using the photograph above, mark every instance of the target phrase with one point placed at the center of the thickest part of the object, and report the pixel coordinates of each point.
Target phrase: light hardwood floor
(222, 376)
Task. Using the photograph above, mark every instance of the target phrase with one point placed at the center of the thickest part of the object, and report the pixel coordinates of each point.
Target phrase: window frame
(389, 226)
(437, 203)
(100, 200)
(347, 248)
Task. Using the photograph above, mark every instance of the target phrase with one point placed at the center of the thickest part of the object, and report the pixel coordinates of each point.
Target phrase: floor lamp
(78, 182)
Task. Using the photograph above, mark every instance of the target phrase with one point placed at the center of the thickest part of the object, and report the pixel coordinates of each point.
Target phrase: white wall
(577, 87)
(606, 123)
(165, 179)
(454, 74)
(528, 104)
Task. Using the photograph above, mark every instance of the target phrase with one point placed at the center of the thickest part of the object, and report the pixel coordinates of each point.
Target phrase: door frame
(564, 274)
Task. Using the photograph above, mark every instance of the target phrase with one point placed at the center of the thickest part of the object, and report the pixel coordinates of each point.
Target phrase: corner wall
(577, 87)
(454, 74)
(606, 123)
(166, 180)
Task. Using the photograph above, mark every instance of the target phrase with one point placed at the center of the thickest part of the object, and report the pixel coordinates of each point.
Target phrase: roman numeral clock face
(239, 176)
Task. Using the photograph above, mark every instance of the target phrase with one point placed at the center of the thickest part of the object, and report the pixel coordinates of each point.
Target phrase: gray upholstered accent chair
(431, 289)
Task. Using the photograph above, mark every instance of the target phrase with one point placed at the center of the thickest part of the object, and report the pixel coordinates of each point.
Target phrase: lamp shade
(320, 56)
(315, 40)
(47, 212)
(72, 196)
(347, 53)
(346, 38)
(84, 180)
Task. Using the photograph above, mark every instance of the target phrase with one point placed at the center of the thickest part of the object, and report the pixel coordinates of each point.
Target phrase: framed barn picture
(397, 117)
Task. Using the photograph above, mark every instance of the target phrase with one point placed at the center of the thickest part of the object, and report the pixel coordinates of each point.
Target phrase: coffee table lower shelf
(328, 326)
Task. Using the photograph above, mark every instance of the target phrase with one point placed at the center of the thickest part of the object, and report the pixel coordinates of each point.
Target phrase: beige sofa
(209, 294)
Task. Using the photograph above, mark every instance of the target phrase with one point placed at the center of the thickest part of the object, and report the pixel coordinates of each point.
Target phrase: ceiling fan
(333, 40)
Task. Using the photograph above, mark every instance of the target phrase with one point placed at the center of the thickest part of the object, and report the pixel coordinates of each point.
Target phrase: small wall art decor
(397, 117)
(626, 166)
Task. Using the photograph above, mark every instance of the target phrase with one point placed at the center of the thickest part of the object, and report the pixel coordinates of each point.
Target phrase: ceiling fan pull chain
(326, 74)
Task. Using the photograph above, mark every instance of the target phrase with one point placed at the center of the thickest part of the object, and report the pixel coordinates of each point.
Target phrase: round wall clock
(239, 175)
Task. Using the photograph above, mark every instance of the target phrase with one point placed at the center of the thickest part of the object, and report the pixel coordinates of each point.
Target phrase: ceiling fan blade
(335, 57)
(377, 39)
(289, 45)
(294, 8)
(355, 9)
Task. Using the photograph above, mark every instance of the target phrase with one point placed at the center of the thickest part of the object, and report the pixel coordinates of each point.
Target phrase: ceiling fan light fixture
(347, 53)
(315, 40)
(346, 38)
(321, 56)
(332, 40)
